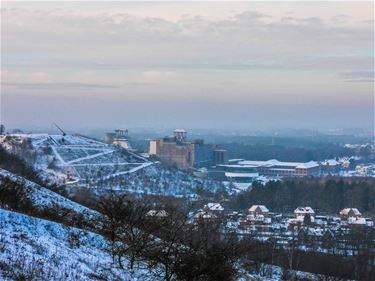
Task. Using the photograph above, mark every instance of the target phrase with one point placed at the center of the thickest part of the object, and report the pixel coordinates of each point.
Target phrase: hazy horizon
(235, 66)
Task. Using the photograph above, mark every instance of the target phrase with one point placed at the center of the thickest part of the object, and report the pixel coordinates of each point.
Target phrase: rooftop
(262, 208)
(274, 162)
(347, 210)
(214, 207)
(304, 210)
(358, 221)
(241, 175)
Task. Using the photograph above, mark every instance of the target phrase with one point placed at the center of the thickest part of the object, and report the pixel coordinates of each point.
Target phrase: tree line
(285, 152)
(325, 195)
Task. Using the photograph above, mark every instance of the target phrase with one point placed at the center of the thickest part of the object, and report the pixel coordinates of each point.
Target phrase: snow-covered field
(36, 249)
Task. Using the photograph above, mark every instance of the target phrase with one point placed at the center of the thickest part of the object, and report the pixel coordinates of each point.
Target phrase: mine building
(177, 151)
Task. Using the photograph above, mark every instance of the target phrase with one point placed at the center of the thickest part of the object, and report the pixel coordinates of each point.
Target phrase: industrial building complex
(118, 137)
(238, 170)
(177, 151)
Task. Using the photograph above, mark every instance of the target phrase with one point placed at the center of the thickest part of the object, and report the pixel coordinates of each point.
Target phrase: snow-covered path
(90, 157)
(143, 165)
(58, 155)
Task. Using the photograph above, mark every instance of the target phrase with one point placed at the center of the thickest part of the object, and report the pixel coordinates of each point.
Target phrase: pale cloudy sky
(242, 65)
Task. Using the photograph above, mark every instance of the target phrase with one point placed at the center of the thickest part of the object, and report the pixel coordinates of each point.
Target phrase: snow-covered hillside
(43, 198)
(72, 159)
(79, 161)
(160, 180)
(36, 249)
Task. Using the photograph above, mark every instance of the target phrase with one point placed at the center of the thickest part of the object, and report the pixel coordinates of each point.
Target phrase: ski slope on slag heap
(73, 159)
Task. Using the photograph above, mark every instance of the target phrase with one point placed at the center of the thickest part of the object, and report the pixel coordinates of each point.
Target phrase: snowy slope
(72, 159)
(42, 197)
(82, 162)
(37, 249)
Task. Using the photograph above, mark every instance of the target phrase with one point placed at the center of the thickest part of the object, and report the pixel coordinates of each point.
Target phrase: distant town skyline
(220, 65)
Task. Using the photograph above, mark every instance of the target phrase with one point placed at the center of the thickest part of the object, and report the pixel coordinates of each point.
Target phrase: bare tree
(124, 222)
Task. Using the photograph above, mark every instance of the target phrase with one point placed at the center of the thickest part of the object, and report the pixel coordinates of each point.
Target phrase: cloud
(39, 75)
(139, 84)
(105, 41)
(248, 55)
(59, 40)
(251, 16)
(57, 86)
(155, 76)
(359, 76)
(341, 19)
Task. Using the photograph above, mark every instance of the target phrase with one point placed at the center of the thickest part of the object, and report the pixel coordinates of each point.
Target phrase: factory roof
(235, 160)
(236, 166)
(330, 162)
(307, 165)
(241, 175)
(274, 162)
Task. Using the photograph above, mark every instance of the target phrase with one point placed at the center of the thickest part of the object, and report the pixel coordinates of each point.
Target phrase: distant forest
(296, 149)
(286, 153)
(324, 195)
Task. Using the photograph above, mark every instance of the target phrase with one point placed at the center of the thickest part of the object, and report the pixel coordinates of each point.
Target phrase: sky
(222, 65)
